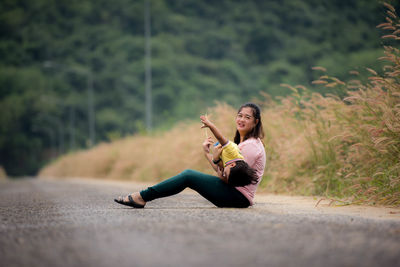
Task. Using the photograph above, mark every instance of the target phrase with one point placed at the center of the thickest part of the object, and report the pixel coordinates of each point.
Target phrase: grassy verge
(145, 158)
(3, 174)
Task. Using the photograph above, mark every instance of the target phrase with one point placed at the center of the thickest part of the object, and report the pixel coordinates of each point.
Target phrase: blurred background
(77, 73)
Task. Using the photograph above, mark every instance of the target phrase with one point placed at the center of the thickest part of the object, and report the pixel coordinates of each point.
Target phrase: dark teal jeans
(210, 187)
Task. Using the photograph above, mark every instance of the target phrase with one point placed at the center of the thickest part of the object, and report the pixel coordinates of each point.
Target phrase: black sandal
(130, 203)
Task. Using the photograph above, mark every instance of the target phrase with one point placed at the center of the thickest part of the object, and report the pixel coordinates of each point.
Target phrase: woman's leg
(210, 187)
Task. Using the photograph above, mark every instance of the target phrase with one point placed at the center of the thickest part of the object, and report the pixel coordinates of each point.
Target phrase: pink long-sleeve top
(254, 154)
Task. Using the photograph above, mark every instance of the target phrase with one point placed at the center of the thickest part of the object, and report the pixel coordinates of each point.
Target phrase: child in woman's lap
(226, 155)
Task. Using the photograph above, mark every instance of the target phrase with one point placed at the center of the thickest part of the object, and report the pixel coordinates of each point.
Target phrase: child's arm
(206, 123)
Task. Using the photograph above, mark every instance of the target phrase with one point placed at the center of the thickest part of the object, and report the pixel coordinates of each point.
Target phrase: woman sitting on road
(249, 133)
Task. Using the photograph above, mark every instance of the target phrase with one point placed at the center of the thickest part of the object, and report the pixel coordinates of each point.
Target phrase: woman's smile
(245, 120)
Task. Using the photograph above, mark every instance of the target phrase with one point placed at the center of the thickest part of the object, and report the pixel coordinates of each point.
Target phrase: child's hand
(206, 122)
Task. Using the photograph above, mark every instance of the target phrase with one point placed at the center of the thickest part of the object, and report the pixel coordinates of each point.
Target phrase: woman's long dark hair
(257, 131)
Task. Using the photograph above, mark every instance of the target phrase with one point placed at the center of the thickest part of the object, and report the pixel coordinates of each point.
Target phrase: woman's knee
(191, 177)
(188, 172)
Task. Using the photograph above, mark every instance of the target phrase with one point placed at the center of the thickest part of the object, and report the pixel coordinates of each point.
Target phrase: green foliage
(202, 52)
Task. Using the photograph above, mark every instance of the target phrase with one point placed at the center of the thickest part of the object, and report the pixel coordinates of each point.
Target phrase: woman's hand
(221, 175)
(207, 144)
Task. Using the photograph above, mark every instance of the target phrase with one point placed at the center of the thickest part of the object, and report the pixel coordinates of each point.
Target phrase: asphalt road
(77, 223)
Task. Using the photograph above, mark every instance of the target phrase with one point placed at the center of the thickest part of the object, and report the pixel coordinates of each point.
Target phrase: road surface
(76, 223)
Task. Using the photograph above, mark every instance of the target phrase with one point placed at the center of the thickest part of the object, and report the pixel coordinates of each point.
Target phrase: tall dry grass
(346, 148)
(316, 145)
(145, 158)
(3, 174)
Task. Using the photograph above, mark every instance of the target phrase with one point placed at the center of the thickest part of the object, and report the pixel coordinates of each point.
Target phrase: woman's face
(245, 121)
